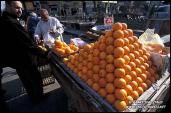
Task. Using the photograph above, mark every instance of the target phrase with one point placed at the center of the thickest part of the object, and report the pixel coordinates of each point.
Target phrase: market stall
(71, 67)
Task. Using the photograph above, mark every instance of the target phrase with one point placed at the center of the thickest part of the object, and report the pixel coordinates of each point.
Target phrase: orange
(87, 47)
(118, 52)
(139, 80)
(110, 68)
(120, 105)
(148, 74)
(84, 70)
(102, 46)
(89, 65)
(96, 52)
(85, 62)
(90, 74)
(128, 89)
(96, 78)
(143, 77)
(133, 74)
(129, 100)
(130, 32)
(126, 41)
(119, 72)
(102, 73)
(133, 65)
(145, 58)
(137, 62)
(68, 50)
(118, 34)
(65, 60)
(124, 26)
(109, 33)
(95, 86)
(131, 56)
(148, 55)
(144, 50)
(58, 43)
(90, 57)
(109, 88)
(146, 65)
(109, 58)
(119, 62)
(126, 50)
(135, 38)
(128, 78)
(126, 33)
(119, 42)
(90, 82)
(102, 82)
(121, 94)
(131, 48)
(143, 68)
(140, 51)
(110, 98)
(109, 41)
(96, 45)
(151, 71)
(152, 79)
(134, 84)
(102, 64)
(135, 95)
(136, 53)
(144, 86)
(117, 26)
(102, 55)
(85, 54)
(80, 58)
(60, 51)
(80, 66)
(102, 39)
(148, 82)
(102, 92)
(127, 59)
(131, 40)
(96, 60)
(140, 90)
(127, 69)
(84, 77)
(119, 83)
(138, 71)
(96, 69)
(109, 77)
(109, 49)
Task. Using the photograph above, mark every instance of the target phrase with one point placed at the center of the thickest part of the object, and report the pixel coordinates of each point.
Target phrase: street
(18, 101)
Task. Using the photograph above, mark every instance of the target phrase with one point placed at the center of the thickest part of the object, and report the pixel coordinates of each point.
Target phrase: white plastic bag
(149, 37)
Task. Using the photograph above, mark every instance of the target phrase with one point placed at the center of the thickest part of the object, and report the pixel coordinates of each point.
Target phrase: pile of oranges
(116, 66)
(63, 49)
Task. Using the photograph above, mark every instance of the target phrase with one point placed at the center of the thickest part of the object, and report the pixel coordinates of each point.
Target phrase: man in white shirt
(49, 28)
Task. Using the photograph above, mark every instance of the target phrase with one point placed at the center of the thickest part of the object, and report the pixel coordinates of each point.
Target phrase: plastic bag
(149, 37)
(78, 42)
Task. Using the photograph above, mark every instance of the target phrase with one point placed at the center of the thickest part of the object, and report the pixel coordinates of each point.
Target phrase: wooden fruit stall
(115, 73)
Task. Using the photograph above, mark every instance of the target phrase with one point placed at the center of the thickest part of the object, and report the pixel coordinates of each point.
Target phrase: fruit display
(62, 49)
(116, 66)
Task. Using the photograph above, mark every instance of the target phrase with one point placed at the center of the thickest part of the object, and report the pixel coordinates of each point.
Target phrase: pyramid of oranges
(62, 49)
(116, 66)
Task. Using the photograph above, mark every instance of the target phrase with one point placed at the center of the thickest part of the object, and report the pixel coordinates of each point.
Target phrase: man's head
(44, 14)
(14, 7)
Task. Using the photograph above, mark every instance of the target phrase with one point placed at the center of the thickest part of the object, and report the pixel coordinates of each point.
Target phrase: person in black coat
(16, 49)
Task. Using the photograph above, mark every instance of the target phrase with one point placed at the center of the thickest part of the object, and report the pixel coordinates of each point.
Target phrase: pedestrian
(16, 48)
(31, 23)
(49, 28)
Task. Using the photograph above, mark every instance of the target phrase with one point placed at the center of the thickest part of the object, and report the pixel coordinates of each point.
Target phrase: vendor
(49, 28)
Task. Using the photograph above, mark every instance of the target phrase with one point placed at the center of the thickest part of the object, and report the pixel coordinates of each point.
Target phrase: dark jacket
(16, 45)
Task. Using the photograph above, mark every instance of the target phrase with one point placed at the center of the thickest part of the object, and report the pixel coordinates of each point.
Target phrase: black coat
(16, 45)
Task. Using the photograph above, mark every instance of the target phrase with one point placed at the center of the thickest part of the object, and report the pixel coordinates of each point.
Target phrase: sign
(108, 20)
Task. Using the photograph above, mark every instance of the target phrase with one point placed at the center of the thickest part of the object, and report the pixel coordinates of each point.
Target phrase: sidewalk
(18, 100)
